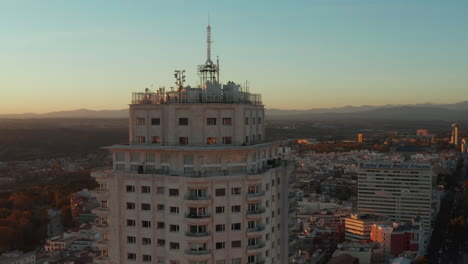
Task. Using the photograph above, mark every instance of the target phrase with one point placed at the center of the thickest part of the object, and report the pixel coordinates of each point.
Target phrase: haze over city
(60, 55)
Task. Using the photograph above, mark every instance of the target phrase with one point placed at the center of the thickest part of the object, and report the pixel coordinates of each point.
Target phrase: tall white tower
(197, 183)
(455, 134)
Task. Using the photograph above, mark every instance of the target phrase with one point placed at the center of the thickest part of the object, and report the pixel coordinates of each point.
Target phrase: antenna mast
(208, 72)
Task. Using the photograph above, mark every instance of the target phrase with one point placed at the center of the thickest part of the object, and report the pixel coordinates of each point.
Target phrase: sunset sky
(65, 55)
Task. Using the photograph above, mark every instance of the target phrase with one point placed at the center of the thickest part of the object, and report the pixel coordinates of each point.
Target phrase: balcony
(195, 216)
(197, 252)
(256, 194)
(258, 261)
(197, 198)
(197, 234)
(256, 246)
(100, 211)
(258, 228)
(99, 194)
(255, 212)
(101, 228)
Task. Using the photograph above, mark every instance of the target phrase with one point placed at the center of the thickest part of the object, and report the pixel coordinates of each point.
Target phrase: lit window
(155, 140)
(211, 140)
(227, 121)
(140, 121)
(141, 139)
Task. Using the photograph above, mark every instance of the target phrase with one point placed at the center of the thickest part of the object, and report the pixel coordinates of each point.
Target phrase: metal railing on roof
(196, 96)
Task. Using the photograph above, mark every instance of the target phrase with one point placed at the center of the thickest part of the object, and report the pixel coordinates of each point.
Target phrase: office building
(396, 190)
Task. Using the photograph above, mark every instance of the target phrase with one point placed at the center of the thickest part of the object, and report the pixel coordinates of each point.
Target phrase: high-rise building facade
(399, 191)
(197, 183)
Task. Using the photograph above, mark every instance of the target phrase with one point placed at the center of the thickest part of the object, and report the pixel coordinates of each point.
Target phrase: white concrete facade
(205, 202)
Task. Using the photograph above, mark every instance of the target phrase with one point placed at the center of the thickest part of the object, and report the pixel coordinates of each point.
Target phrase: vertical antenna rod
(208, 42)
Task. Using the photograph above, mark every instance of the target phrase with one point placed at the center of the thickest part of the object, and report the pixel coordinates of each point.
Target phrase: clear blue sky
(64, 55)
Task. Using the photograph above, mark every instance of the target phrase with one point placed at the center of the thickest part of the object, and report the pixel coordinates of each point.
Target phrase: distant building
(81, 204)
(399, 237)
(422, 132)
(54, 226)
(360, 138)
(358, 226)
(397, 190)
(18, 257)
(455, 134)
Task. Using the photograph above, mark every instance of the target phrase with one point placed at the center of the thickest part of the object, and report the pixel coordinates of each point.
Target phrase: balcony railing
(197, 216)
(258, 228)
(197, 234)
(197, 198)
(258, 261)
(256, 211)
(197, 252)
(256, 194)
(256, 246)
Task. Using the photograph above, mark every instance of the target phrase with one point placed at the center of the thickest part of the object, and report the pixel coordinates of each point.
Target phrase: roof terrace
(190, 95)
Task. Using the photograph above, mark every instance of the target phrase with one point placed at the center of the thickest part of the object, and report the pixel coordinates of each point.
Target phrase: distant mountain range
(427, 111)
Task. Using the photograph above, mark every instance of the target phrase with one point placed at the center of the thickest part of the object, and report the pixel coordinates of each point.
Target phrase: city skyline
(65, 56)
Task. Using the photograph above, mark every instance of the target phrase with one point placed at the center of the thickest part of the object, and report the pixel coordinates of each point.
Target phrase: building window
(253, 120)
(236, 244)
(141, 139)
(131, 240)
(120, 167)
(211, 140)
(236, 226)
(220, 228)
(235, 191)
(155, 140)
(183, 121)
(145, 207)
(160, 207)
(220, 192)
(131, 222)
(140, 121)
(236, 209)
(246, 139)
(161, 242)
(227, 140)
(247, 121)
(145, 189)
(227, 121)
(131, 256)
(259, 137)
(173, 192)
(130, 188)
(174, 210)
(259, 120)
(220, 245)
(146, 224)
(220, 209)
(183, 140)
(146, 258)
(211, 121)
(146, 241)
(130, 206)
(174, 245)
(174, 228)
(155, 121)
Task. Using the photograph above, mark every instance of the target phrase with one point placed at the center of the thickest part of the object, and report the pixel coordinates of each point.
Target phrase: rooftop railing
(197, 96)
